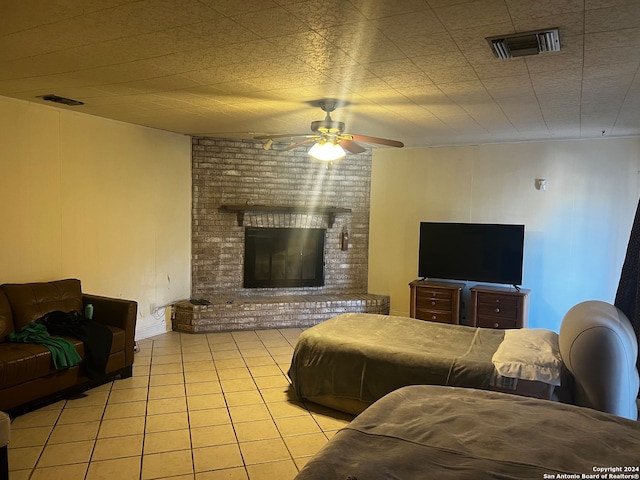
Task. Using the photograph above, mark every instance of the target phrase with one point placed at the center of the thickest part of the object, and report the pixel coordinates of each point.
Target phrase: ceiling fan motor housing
(327, 126)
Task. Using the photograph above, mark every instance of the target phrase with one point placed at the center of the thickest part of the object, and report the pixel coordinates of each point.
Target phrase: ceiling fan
(329, 136)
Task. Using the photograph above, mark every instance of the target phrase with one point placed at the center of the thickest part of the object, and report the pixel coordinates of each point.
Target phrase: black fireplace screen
(283, 257)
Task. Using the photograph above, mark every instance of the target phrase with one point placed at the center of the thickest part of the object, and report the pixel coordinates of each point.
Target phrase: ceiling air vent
(527, 43)
(57, 99)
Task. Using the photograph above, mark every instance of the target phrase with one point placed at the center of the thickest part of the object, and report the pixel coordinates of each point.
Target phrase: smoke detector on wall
(523, 44)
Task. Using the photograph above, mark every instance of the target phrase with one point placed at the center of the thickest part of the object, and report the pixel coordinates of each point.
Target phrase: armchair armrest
(599, 347)
(116, 312)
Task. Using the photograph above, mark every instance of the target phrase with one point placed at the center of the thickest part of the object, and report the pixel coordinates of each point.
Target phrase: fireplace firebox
(284, 257)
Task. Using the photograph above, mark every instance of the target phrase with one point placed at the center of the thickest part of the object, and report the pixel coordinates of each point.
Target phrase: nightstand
(499, 307)
(435, 301)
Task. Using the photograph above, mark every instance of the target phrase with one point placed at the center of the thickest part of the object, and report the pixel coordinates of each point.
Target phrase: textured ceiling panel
(419, 71)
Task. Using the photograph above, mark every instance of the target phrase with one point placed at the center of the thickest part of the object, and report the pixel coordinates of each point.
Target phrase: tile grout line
(146, 410)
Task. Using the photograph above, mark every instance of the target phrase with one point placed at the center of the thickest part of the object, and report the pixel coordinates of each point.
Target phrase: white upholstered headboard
(600, 348)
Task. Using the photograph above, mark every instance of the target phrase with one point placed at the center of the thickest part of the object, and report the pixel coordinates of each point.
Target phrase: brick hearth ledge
(262, 312)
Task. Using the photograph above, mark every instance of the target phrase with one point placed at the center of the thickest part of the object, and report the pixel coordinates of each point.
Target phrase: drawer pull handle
(433, 317)
(497, 300)
(496, 325)
(433, 303)
(497, 310)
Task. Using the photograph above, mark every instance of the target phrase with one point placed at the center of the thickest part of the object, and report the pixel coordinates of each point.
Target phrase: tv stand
(499, 307)
(435, 301)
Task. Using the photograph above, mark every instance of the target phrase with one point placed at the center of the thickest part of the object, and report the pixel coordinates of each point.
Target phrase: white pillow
(529, 354)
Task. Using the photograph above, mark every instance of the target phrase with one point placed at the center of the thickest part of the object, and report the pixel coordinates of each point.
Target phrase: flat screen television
(480, 252)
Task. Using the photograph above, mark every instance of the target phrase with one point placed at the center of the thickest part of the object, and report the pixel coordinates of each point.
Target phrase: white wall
(103, 201)
(576, 232)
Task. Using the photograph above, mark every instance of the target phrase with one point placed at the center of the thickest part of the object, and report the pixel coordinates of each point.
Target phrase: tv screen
(478, 252)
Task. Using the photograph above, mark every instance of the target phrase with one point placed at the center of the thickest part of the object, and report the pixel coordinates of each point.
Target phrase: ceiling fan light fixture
(327, 151)
(331, 142)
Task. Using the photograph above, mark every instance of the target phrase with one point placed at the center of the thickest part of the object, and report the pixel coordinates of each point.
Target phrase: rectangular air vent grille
(522, 44)
(58, 99)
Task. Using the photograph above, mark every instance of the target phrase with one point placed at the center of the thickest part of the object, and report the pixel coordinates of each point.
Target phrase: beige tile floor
(198, 407)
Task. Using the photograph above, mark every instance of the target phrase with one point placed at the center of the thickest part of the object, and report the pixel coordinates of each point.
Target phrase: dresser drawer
(495, 322)
(502, 311)
(505, 301)
(433, 303)
(434, 316)
(423, 293)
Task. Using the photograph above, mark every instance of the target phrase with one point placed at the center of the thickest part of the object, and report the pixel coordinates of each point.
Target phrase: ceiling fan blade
(351, 146)
(296, 145)
(380, 141)
(283, 135)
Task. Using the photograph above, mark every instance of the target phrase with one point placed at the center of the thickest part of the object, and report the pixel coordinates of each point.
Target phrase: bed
(449, 433)
(350, 361)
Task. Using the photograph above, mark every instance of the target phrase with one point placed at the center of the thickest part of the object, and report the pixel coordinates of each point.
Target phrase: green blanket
(63, 353)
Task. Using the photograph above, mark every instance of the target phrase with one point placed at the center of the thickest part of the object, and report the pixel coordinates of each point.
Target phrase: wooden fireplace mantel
(240, 210)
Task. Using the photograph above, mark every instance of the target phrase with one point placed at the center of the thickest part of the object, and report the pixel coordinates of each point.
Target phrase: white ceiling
(418, 71)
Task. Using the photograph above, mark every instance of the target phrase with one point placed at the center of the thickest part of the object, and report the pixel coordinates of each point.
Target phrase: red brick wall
(235, 172)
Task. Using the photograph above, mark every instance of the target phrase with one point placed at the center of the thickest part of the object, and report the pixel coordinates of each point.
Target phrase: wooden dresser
(499, 307)
(435, 301)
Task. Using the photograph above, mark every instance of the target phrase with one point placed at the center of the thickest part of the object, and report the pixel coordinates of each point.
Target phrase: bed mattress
(451, 433)
(354, 359)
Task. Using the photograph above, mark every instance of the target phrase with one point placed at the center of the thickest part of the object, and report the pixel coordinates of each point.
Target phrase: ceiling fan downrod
(328, 125)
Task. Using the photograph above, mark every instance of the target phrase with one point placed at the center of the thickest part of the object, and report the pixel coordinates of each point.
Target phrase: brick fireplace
(237, 184)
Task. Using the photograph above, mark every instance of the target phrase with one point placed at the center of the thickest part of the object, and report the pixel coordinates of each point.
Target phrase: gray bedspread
(354, 359)
(446, 433)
